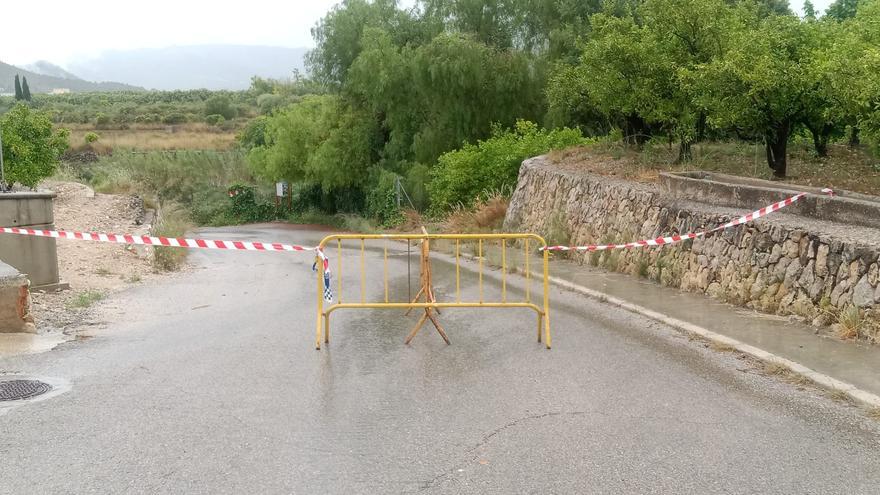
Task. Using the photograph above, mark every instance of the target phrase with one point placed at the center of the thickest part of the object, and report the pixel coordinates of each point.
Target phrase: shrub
(220, 105)
(382, 200)
(462, 175)
(92, 137)
(31, 148)
(246, 208)
(174, 118)
(172, 221)
(102, 120)
(215, 119)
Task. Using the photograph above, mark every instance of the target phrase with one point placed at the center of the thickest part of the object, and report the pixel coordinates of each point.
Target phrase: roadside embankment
(824, 272)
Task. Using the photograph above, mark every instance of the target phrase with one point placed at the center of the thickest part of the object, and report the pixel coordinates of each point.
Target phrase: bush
(269, 102)
(102, 120)
(461, 176)
(220, 105)
(172, 221)
(245, 207)
(215, 119)
(254, 134)
(174, 118)
(92, 137)
(31, 148)
(382, 200)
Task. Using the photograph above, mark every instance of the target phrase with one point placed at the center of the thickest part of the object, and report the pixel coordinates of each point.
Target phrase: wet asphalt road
(208, 382)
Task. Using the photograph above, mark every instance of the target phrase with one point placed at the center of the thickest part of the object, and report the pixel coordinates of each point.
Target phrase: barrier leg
(416, 329)
(327, 328)
(415, 300)
(437, 326)
(540, 320)
(547, 330)
(318, 333)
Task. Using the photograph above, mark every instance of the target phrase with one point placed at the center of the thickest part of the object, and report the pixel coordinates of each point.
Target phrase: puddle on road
(14, 344)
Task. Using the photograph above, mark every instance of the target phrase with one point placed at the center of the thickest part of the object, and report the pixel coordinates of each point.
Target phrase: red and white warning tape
(158, 241)
(144, 240)
(662, 241)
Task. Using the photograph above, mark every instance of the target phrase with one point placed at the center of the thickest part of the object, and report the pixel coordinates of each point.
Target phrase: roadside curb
(821, 379)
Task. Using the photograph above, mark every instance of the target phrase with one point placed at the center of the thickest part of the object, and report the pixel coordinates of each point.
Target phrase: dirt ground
(93, 270)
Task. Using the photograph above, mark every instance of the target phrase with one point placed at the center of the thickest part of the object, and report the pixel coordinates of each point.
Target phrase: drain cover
(22, 389)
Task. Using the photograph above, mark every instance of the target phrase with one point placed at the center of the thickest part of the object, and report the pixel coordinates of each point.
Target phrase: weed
(839, 395)
(486, 216)
(557, 232)
(849, 322)
(103, 272)
(776, 369)
(85, 299)
(721, 347)
(642, 267)
(133, 278)
(172, 221)
(874, 413)
(358, 224)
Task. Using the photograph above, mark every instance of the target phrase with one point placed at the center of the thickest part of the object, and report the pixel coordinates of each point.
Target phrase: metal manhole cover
(22, 389)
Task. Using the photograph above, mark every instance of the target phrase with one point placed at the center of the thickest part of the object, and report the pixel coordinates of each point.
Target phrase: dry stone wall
(783, 264)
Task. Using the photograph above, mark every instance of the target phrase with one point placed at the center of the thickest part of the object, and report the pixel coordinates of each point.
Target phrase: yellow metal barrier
(429, 303)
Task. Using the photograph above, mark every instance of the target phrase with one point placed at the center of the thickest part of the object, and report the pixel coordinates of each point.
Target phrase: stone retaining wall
(784, 264)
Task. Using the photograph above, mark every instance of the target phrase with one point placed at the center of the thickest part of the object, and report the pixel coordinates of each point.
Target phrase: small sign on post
(282, 189)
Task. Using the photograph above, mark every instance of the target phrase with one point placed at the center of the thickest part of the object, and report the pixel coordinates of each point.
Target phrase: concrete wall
(34, 256)
(738, 192)
(14, 301)
(784, 264)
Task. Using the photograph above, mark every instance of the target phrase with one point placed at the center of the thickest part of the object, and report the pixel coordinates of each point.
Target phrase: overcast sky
(64, 30)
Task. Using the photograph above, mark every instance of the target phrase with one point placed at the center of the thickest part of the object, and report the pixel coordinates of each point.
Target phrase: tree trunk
(701, 127)
(636, 130)
(854, 136)
(684, 151)
(820, 138)
(777, 147)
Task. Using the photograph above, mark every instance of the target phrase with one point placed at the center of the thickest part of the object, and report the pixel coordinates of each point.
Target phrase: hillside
(192, 67)
(49, 69)
(40, 83)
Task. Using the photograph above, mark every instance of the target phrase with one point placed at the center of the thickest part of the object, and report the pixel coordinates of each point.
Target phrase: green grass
(85, 299)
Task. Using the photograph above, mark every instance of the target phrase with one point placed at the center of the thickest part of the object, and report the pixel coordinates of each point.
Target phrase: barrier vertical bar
(547, 298)
(457, 271)
(480, 257)
(339, 271)
(503, 270)
(528, 274)
(363, 275)
(386, 271)
(320, 273)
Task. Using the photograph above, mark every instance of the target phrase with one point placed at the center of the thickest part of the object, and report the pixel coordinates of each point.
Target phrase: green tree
(18, 93)
(31, 148)
(338, 35)
(853, 71)
(220, 105)
(841, 10)
(761, 85)
(25, 89)
(320, 140)
(809, 10)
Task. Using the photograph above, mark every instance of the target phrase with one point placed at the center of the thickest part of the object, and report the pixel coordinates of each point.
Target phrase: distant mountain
(39, 83)
(192, 67)
(49, 69)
